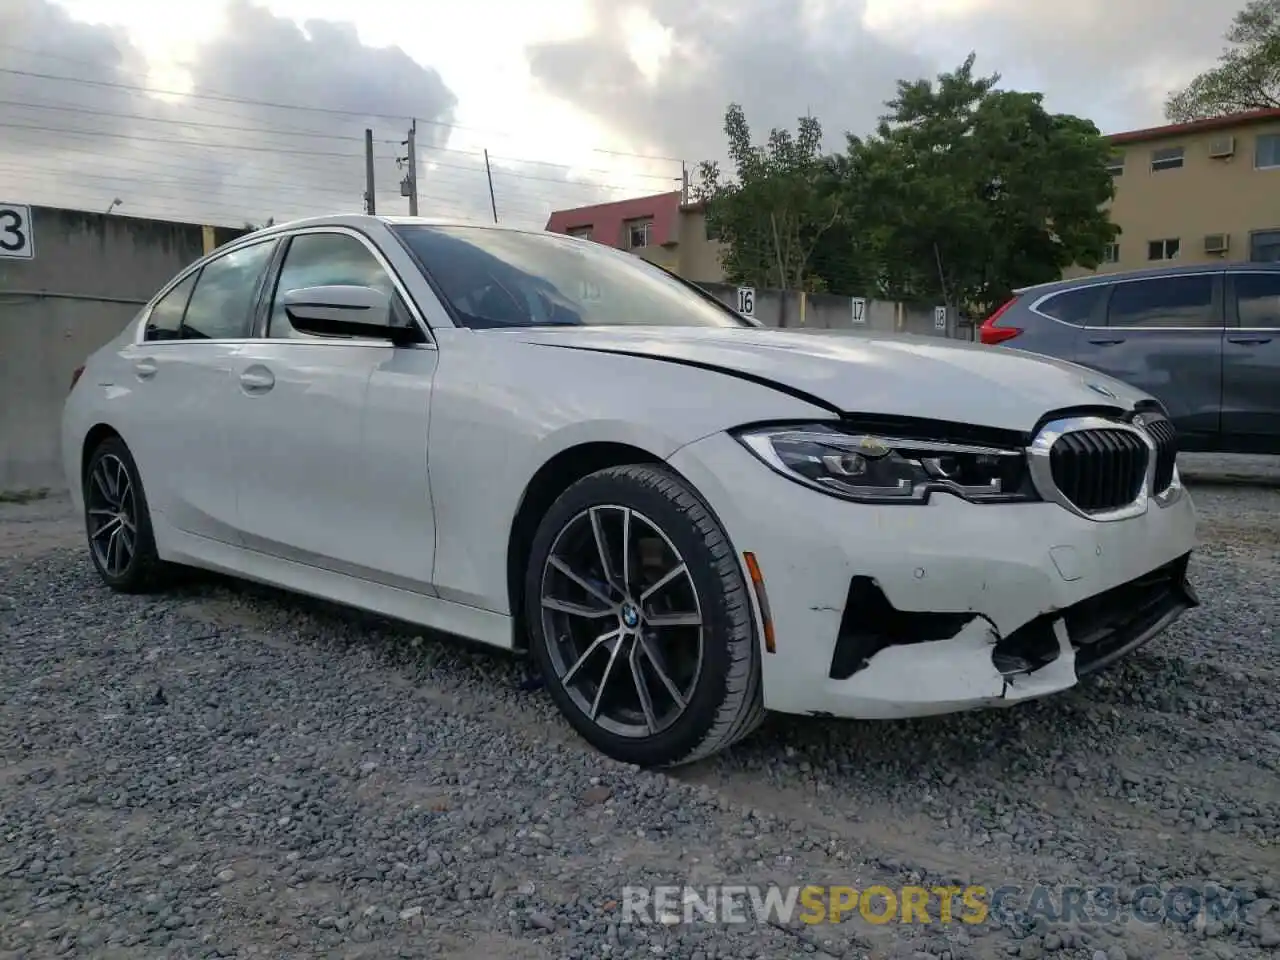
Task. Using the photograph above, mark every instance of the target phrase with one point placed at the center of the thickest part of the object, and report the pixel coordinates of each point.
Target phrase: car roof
(1180, 270)
(358, 220)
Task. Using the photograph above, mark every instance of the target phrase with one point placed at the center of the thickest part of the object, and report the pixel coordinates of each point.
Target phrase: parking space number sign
(16, 242)
(939, 318)
(747, 301)
(859, 310)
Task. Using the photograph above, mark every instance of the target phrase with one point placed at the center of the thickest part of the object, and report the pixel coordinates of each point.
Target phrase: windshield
(506, 278)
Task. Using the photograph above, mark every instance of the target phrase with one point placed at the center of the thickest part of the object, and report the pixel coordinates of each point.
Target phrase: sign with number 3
(16, 241)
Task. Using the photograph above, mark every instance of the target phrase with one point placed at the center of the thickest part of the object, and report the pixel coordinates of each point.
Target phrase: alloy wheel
(112, 508)
(622, 620)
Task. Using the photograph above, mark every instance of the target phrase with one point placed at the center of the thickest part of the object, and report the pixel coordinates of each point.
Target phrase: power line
(226, 98)
(282, 151)
(307, 134)
(316, 187)
(334, 179)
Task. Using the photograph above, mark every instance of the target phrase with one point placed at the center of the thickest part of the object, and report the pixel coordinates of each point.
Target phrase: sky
(233, 111)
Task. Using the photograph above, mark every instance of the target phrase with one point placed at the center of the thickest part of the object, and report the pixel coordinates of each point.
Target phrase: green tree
(774, 212)
(969, 191)
(1247, 76)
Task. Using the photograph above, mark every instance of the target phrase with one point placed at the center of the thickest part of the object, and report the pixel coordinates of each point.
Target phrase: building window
(1264, 246)
(1115, 166)
(1163, 249)
(1266, 151)
(638, 233)
(1111, 253)
(583, 233)
(1166, 158)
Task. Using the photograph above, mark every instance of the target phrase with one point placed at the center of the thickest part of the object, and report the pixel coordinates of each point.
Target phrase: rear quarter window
(1076, 307)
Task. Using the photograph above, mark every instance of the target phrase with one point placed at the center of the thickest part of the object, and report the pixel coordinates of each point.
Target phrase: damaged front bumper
(964, 662)
(898, 611)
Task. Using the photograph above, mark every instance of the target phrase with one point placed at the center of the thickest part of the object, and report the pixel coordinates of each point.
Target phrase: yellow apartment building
(1190, 192)
(1196, 192)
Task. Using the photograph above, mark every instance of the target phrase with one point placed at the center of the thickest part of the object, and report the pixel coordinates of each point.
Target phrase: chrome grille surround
(1039, 463)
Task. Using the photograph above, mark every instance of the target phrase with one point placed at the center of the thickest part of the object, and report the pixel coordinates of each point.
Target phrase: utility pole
(369, 203)
(493, 203)
(409, 185)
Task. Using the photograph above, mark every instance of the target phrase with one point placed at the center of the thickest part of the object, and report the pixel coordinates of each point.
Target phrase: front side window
(324, 260)
(1266, 151)
(165, 319)
(508, 278)
(1258, 300)
(221, 306)
(1163, 302)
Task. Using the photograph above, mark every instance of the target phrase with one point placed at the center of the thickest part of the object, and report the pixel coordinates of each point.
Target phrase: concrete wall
(824, 311)
(90, 275)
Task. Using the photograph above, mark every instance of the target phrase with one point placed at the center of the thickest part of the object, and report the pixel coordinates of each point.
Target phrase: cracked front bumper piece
(898, 611)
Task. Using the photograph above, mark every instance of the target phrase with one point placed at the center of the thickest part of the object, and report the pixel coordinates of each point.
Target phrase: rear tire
(122, 544)
(666, 629)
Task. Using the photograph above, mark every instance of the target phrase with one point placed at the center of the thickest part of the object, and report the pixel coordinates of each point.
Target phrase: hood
(853, 372)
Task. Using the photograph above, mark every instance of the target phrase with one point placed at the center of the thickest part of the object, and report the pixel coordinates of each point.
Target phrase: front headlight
(878, 469)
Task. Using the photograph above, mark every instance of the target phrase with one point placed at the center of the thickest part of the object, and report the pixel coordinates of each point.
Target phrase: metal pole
(413, 169)
(493, 203)
(370, 205)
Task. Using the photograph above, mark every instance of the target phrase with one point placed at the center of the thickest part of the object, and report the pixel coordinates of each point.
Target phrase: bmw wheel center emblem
(630, 616)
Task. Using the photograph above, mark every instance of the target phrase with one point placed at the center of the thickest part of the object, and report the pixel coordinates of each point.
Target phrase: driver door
(332, 432)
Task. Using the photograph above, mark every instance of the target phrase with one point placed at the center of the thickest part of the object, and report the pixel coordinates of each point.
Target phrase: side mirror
(343, 311)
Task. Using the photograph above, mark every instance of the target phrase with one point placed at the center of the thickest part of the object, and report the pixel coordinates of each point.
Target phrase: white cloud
(559, 93)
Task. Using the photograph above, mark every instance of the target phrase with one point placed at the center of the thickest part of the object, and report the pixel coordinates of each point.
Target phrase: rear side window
(221, 307)
(165, 321)
(1258, 299)
(1164, 302)
(1075, 307)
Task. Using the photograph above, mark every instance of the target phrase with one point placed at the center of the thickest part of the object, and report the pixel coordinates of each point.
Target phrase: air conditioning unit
(1216, 242)
(1221, 147)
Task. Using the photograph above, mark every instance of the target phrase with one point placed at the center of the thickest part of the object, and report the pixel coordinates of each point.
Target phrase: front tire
(122, 545)
(640, 619)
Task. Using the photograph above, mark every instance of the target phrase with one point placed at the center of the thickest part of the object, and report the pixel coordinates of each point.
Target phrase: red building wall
(606, 220)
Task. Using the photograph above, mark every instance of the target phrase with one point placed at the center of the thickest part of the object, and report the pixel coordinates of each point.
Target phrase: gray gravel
(232, 771)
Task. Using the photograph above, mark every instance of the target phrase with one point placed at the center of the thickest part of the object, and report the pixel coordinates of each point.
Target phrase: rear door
(1164, 335)
(1251, 362)
(184, 392)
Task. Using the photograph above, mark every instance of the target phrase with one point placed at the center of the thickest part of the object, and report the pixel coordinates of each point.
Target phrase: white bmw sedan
(549, 446)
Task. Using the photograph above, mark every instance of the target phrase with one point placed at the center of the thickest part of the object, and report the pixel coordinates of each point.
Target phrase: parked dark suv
(1204, 339)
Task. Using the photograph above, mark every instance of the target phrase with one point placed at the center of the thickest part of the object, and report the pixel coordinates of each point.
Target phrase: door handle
(257, 380)
(1103, 342)
(145, 369)
(1249, 341)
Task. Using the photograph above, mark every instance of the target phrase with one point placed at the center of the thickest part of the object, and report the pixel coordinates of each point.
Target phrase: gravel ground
(232, 771)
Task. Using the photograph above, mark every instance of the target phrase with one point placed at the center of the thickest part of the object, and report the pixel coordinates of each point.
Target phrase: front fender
(501, 409)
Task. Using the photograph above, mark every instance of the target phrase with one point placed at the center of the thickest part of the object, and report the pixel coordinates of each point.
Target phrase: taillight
(992, 333)
(75, 376)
